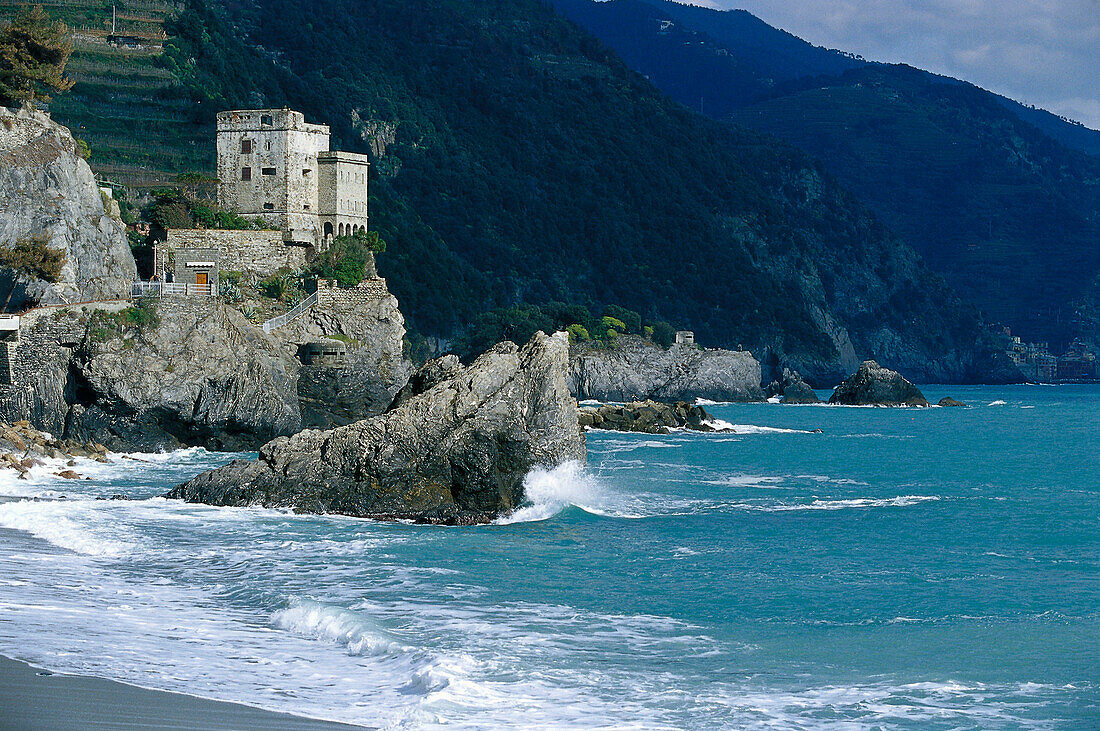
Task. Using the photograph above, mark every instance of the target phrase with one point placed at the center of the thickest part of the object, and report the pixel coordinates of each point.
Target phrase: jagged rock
(48, 193)
(426, 377)
(948, 401)
(636, 369)
(205, 376)
(456, 453)
(650, 417)
(373, 330)
(792, 389)
(872, 384)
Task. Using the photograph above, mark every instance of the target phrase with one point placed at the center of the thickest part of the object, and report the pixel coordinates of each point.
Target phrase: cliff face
(204, 376)
(48, 194)
(455, 453)
(637, 369)
(368, 321)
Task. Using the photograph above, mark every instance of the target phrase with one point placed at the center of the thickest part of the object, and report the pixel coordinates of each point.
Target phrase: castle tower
(273, 165)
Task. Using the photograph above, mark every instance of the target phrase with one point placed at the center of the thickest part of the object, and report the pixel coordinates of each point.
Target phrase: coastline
(33, 698)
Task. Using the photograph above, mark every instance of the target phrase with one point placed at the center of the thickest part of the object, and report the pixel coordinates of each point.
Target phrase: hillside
(1000, 198)
(517, 160)
(130, 109)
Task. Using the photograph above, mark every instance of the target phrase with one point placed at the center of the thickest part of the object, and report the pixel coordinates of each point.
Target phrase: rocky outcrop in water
(456, 453)
(874, 385)
(649, 417)
(49, 195)
(22, 447)
(634, 369)
(792, 389)
(950, 402)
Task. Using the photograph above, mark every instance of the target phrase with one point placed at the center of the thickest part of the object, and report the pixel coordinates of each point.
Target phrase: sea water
(904, 568)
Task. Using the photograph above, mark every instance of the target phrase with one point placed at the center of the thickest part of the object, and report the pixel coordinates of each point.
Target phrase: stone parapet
(253, 252)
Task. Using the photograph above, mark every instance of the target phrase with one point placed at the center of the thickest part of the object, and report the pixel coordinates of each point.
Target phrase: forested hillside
(518, 160)
(1002, 199)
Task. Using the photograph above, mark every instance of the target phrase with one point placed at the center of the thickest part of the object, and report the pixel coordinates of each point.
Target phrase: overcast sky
(1041, 52)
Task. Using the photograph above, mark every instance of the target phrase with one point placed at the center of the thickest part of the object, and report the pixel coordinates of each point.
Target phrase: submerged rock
(874, 385)
(456, 453)
(636, 369)
(649, 417)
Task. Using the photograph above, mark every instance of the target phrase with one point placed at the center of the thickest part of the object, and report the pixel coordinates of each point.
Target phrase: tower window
(246, 147)
(269, 171)
(266, 119)
(269, 206)
(246, 173)
(306, 172)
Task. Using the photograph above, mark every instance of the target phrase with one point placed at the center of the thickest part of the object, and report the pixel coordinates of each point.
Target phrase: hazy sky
(1041, 52)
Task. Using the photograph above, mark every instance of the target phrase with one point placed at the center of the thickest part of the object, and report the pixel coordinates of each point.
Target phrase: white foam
(774, 400)
(998, 402)
(73, 525)
(901, 501)
(336, 625)
(721, 425)
(548, 492)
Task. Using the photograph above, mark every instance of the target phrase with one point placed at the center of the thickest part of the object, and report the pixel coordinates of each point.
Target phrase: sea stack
(457, 453)
(873, 385)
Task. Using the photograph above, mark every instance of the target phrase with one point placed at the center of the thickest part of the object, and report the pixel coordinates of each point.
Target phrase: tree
(33, 54)
(664, 334)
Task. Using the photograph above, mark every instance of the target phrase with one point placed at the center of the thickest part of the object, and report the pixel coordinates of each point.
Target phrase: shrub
(664, 334)
(613, 325)
(578, 333)
(33, 257)
(278, 285)
(347, 258)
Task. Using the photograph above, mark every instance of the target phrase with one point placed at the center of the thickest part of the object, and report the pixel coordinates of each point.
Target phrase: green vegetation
(518, 324)
(283, 285)
(137, 320)
(34, 258)
(33, 52)
(172, 208)
(349, 259)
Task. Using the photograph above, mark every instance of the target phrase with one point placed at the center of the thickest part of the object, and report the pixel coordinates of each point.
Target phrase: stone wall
(330, 296)
(254, 252)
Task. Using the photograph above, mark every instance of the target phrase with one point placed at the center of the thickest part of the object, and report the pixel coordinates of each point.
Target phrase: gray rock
(376, 367)
(205, 376)
(456, 453)
(796, 391)
(427, 377)
(636, 369)
(649, 417)
(948, 401)
(48, 192)
(874, 385)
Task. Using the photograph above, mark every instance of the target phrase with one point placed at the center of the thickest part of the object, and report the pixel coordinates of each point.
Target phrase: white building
(275, 166)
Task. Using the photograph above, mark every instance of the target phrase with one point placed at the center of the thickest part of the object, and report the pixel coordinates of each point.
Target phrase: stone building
(274, 165)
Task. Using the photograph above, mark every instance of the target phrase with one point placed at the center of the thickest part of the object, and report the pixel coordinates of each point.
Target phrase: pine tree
(33, 52)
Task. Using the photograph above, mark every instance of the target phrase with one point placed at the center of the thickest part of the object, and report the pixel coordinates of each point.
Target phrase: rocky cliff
(368, 321)
(636, 369)
(49, 196)
(456, 453)
(184, 372)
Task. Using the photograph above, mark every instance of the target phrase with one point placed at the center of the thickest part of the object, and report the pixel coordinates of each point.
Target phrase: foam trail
(336, 625)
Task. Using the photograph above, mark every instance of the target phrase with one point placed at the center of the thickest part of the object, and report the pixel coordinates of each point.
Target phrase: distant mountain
(1000, 198)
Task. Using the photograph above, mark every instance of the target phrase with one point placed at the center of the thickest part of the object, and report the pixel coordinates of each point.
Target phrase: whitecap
(998, 402)
(338, 626)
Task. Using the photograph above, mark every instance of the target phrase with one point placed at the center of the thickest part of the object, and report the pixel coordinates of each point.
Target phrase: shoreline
(35, 698)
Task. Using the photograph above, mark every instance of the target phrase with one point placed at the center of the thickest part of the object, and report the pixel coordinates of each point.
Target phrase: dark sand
(33, 699)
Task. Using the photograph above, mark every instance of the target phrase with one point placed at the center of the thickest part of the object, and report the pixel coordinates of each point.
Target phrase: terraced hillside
(138, 120)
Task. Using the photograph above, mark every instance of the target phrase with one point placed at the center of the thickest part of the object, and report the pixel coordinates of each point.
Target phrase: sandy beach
(32, 698)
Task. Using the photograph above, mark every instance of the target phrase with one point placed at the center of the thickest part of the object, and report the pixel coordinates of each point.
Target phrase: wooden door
(200, 278)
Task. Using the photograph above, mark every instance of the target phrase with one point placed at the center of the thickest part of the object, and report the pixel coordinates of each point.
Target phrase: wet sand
(31, 698)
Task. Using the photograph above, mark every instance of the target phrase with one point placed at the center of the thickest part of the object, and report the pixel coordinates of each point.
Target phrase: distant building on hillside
(685, 337)
(275, 166)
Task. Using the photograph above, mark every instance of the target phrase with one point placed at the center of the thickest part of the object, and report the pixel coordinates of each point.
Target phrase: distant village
(1039, 365)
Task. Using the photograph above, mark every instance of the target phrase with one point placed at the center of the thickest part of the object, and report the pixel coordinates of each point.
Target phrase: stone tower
(273, 165)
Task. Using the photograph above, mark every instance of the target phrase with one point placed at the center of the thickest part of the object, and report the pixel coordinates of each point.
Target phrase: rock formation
(456, 453)
(649, 417)
(368, 321)
(948, 401)
(48, 195)
(874, 385)
(201, 376)
(635, 369)
(792, 389)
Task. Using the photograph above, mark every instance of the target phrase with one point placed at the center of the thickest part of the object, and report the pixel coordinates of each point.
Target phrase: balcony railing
(292, 313)
(170, 289)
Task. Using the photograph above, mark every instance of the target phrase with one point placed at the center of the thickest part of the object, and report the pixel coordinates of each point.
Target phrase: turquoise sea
(903, 569)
